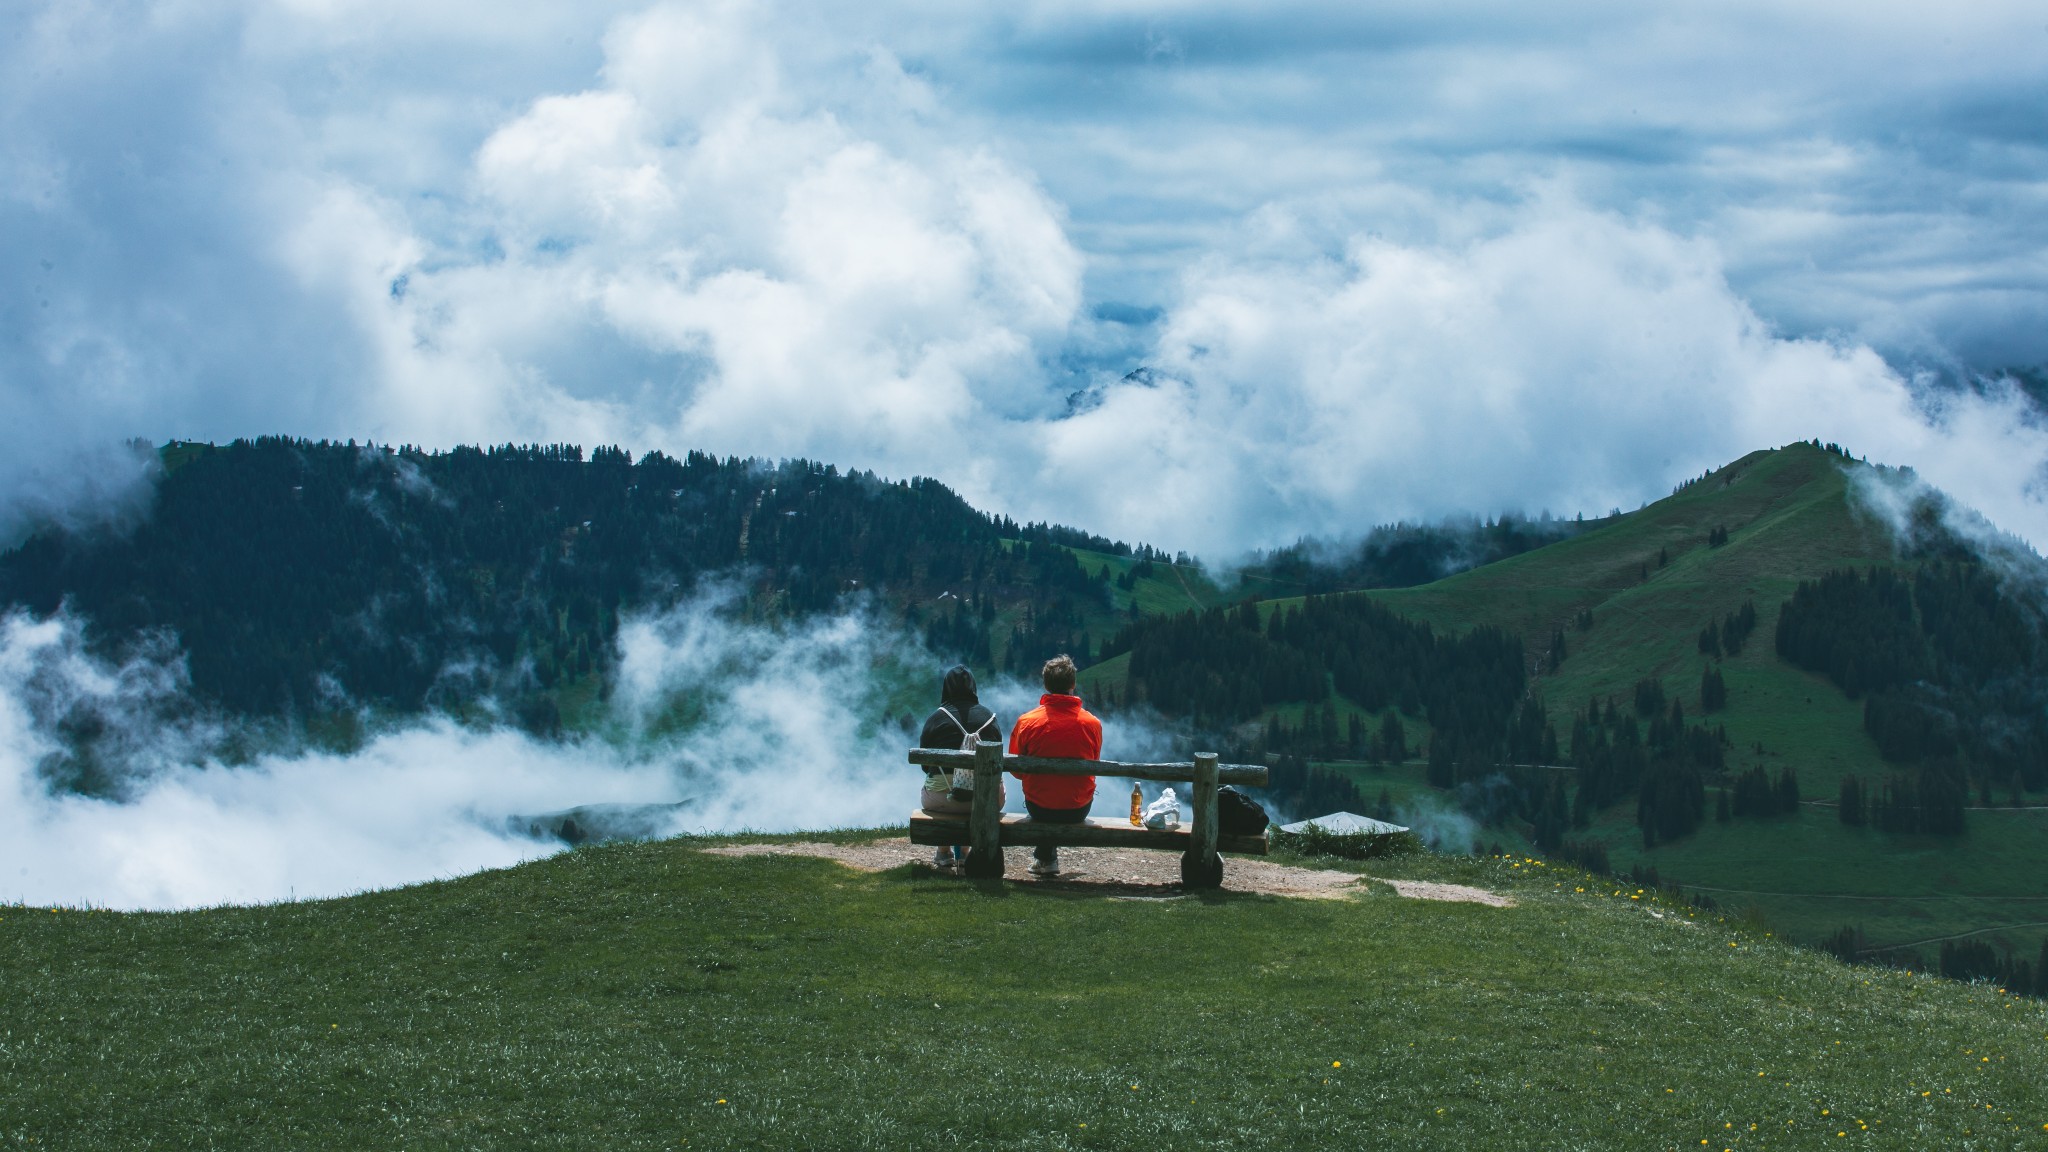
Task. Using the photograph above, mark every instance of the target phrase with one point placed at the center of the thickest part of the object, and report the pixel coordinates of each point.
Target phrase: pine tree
(1713, 690)
(1851, 809)
(1393, 741)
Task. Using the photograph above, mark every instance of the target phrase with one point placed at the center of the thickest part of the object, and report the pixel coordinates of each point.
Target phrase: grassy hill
(1652, 582)
(652, 996)
(1789, 518)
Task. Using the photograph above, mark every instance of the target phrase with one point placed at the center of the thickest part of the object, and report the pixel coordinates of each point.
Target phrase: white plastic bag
(1163, 812)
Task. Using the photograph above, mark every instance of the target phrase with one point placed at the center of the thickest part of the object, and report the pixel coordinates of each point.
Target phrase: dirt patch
(1456, 893)
(1134, 873)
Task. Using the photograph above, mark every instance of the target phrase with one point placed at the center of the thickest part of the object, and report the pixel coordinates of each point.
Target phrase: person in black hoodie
(960, 714)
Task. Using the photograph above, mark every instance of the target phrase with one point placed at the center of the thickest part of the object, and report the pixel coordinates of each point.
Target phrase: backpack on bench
(963, 778)
(1238, 814)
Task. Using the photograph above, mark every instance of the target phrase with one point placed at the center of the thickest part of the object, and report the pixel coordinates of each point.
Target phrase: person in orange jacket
(1059, 727)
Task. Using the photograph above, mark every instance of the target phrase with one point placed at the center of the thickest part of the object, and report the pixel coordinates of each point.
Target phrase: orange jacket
(1060, 727)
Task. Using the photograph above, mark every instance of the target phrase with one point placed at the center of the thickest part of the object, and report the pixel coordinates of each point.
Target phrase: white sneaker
(943, 860)
(1045, 867)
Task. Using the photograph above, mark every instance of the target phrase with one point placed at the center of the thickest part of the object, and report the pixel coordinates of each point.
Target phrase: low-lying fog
(731, 726)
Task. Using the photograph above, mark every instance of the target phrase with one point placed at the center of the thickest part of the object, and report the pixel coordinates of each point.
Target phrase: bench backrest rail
(1243, 775)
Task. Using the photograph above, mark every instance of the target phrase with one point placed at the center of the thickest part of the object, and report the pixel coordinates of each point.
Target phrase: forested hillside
(304, 580)
(1403, 555)
(1949, 666)
(1756, 687)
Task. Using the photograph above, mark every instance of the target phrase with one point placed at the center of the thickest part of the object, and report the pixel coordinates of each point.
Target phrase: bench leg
(983, 864)
(1200, 866)
(984, 823)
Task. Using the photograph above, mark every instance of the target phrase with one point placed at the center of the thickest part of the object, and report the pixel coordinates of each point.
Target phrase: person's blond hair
(1059, 675)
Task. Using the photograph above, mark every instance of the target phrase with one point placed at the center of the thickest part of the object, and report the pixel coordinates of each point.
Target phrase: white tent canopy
(1345, 824)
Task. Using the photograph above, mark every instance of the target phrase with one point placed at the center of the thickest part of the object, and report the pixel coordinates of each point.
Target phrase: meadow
(651, 996)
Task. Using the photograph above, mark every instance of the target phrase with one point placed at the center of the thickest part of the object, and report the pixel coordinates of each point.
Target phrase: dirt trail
(1456, 893)
(1130, 872)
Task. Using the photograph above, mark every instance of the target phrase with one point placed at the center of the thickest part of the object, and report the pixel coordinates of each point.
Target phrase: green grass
(1790, 517)
(1807, 871)
(650, 996)
(1171, 589)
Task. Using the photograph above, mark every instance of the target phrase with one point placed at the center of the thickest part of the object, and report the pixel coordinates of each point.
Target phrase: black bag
(1238, 814)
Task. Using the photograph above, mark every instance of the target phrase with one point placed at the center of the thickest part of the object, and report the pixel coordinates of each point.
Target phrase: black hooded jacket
(958, 696)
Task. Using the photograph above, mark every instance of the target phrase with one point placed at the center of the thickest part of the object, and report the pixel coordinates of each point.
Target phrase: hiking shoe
(1045, 867)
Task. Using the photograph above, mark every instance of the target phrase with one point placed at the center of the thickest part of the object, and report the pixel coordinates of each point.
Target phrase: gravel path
(1128, 872)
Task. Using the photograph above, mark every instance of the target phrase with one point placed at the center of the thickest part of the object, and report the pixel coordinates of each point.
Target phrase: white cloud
(1562, 363)
(877, 236)
(816, 291)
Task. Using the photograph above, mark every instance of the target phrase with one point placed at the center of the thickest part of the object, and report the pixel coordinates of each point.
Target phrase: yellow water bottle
(1137, 808)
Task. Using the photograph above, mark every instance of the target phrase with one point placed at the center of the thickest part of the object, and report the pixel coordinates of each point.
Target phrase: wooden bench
(988, 831)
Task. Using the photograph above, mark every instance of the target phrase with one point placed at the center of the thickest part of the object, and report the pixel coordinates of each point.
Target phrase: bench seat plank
(1018, 830)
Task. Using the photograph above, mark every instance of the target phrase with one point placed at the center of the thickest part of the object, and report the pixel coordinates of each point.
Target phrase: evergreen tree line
(1929, 799)
(1529, 740)
(1294, 785)
(1950, 664)
(1757, 793)
(1964, 960)
(1322, 734)
(1404, 555)
(1220, 667)
(1725, 637)
(1665, 769)
(1975, 960)
(1713, 689)
(306, 579)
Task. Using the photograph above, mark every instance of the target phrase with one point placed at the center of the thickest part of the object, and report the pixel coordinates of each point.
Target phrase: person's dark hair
(1059, 675)
(958, 687)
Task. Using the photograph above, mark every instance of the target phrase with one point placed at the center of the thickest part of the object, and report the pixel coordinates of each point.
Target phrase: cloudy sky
(1421, 259)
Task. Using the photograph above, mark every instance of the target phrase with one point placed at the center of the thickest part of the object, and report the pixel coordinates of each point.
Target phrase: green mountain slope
(1650, 582)
(1789, 518)
(653, 996)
